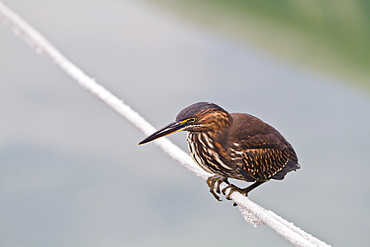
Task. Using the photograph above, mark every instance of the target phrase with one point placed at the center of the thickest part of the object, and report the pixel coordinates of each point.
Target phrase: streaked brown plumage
(235, 145)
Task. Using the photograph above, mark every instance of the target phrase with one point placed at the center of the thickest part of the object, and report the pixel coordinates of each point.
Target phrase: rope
(252, 212)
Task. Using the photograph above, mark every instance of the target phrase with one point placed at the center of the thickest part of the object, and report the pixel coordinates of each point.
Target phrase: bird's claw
(214, 183)
(215, 195)
(228, 190)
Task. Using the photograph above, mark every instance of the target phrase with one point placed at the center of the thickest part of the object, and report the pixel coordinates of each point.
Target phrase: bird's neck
(216, 135)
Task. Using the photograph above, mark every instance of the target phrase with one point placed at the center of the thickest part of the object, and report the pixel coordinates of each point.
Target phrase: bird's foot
(214, 183)
(228, 190)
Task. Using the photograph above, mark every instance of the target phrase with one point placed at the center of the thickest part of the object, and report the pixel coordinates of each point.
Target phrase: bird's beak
(171, 128)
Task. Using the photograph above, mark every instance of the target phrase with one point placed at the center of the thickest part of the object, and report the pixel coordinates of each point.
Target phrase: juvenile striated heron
(232, 145)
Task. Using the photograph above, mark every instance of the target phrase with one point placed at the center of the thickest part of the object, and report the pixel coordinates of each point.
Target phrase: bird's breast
(207, 155)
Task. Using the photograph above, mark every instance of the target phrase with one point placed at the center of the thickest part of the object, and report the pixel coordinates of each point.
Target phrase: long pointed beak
(171, 128)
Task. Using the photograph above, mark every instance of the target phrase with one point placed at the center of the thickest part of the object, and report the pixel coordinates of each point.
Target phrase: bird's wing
(263, 156)
(263, 150)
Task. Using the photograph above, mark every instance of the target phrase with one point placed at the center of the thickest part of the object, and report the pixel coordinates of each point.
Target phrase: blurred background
(72, 173)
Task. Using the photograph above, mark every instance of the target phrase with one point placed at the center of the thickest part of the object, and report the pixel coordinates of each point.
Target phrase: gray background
(72, 173)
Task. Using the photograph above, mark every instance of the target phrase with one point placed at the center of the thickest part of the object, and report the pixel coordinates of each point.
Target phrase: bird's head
(198, 117)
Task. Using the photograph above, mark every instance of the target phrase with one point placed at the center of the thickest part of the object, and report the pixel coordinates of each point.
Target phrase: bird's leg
(214, 183)
(232, 188)
(252, 186)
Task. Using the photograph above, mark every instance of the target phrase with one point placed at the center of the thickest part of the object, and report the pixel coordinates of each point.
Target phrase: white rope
(251, 212)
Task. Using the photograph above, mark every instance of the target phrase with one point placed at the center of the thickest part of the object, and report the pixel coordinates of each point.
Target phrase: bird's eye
(191, 120)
